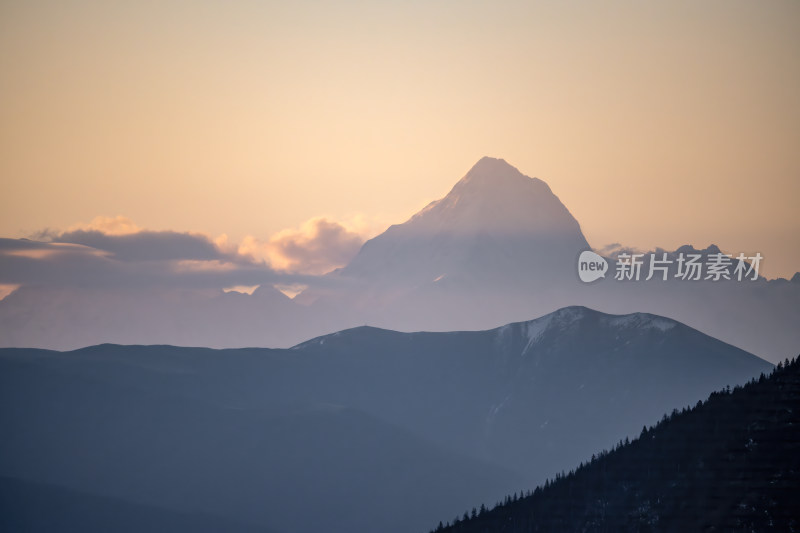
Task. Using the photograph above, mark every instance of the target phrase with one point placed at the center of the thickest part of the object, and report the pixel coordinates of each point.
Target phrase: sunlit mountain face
(495, 226)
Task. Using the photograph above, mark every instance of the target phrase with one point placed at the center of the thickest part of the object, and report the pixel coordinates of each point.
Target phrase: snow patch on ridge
(642, 321)
(535, 329)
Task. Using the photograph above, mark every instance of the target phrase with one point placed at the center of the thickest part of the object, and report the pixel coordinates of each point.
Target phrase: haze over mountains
(373, 430)
(500, 247)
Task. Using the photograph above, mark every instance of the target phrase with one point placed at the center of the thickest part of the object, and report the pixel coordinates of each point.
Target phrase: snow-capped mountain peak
(494, 222)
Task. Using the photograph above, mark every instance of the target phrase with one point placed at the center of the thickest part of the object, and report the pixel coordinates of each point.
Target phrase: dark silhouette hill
(731, 463)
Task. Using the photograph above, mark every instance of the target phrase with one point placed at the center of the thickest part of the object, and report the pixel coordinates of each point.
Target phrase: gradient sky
(656, 124)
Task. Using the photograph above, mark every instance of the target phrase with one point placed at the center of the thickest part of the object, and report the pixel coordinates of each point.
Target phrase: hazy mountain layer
(499, 248)
(37, 508)
(372, 429)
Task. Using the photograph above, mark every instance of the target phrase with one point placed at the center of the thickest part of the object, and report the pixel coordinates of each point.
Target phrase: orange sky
(656, 124)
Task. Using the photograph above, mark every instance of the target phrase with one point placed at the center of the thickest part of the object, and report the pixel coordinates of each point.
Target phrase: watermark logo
(662, 266)
(591, 266)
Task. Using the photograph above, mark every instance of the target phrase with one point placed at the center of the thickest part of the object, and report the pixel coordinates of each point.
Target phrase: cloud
(121, 238)
(318, 246)
(147, 245)
(115, 252)
(117, 225)
(25, 262)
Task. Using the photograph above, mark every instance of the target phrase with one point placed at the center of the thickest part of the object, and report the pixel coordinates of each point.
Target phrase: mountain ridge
(482, 255)
(493, 212)
(729, 463)
(154, 424)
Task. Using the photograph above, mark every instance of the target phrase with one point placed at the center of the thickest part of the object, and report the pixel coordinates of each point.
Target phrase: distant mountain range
(499, 248)
(362, 430)
(731, 463)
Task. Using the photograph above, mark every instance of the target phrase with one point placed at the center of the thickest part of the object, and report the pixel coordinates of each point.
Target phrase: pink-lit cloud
(115, 252)
(318, 246)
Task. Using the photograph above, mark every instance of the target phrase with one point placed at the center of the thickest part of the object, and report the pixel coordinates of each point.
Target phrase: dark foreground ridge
(731, 463)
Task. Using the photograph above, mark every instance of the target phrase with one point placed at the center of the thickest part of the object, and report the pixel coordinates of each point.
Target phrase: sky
(290, 131)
